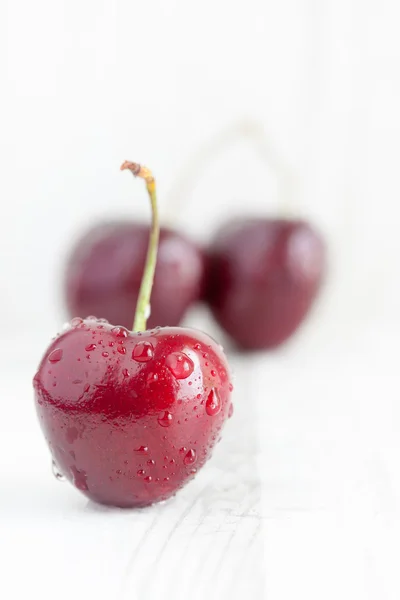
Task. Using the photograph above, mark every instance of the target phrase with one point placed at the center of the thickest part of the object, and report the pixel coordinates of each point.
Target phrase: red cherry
(105, 268)
(117, 407)
(264, 275)
(110, 433)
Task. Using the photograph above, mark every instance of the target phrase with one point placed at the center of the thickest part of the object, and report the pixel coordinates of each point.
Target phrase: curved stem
(143, 301)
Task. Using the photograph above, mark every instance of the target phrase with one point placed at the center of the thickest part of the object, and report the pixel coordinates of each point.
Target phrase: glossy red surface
(105, 269)
(263, 277)
(131, 417)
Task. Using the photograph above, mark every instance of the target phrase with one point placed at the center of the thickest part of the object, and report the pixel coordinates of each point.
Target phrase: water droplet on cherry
(142, 450)
(190, 457)
(165, 419)
(143, 352)
(56, 355)
(230, 411)
(120, 332)
(90, 347)
(213, 403)
(121, 349)
(76, 321)
(180, 365)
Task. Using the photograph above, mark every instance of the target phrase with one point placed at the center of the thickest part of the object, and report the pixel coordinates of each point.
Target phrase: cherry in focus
(105, 268)
(131, 416)
(264, 276)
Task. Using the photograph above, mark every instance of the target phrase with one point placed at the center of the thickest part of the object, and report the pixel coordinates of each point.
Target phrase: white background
(302, 497)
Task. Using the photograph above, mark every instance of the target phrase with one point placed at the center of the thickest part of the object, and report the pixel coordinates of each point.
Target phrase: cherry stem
(143, 301)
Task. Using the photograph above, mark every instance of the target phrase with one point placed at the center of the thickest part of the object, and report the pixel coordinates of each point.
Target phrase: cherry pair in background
(130, 416)
(260, 276)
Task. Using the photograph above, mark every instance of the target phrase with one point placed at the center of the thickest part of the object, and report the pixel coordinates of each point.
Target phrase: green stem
(143, 302)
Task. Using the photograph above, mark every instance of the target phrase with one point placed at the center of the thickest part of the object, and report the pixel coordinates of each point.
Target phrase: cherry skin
(105, 268)
(264, 275)
(131, 417)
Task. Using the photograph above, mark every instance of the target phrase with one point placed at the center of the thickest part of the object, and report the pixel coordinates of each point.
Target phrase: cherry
(105, 268)
(131, 416)
(264, 275)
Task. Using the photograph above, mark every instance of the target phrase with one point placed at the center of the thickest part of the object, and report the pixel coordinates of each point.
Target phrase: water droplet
(76, 321)
(56, 355)
(205, 355)
(213, 404)
(76, 381)
(79, 478)
(190, 457)
(230, 387)
(56, 471)
(91, 318)
(141, 472)
(148, 479)
(213, 373)
(125, 372)
(143, 352)
(230, 411)
(183, 450)
(86, 388)
(166, 479)
(142, 450)
(119, 472)
(102, 321)
(198, 396)
(121, 349)
(120, 332)
(90, 347)
(180, 365)
(105, 354)
(152, 377)
(197, 347)
(165, 419)
(172, 461)
(151, 462)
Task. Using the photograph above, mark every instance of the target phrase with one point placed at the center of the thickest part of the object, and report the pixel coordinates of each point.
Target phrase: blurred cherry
(264, 275)
(105, 269)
